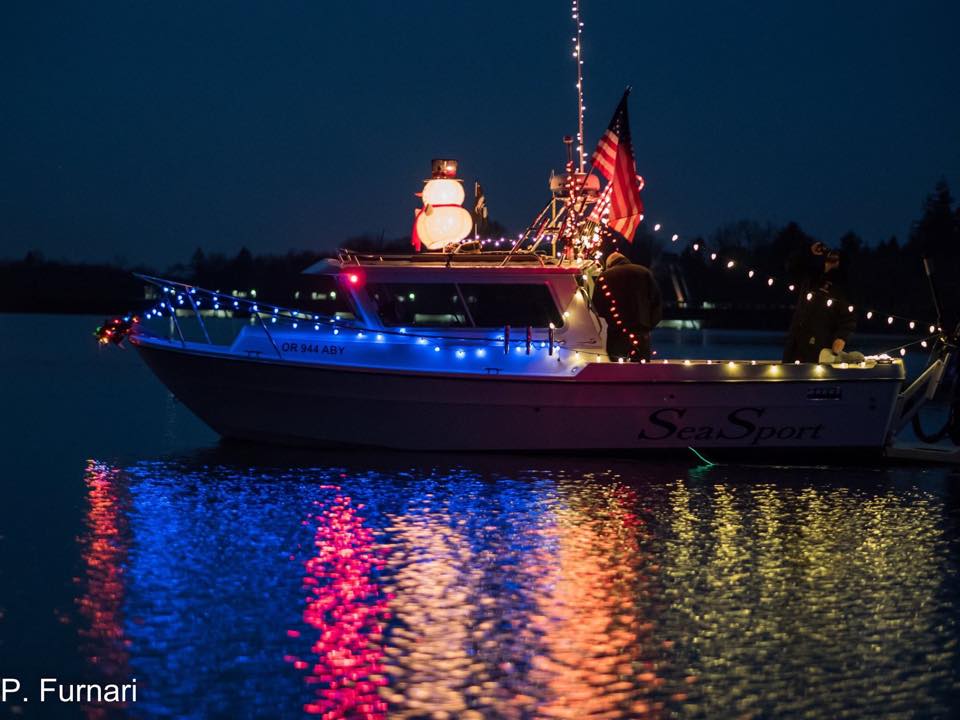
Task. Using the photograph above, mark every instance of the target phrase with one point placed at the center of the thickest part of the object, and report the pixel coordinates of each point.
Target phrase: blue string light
(292, 316)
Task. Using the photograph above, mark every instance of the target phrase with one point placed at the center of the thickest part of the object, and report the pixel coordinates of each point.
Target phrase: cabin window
(425, 304)
(323, 295)
(495, 305)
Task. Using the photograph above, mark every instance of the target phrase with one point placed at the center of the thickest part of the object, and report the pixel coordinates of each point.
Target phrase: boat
(464, 345)
(490, 351)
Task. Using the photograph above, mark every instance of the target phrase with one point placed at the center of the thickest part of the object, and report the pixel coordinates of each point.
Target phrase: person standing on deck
(822, 318)
(627, 297)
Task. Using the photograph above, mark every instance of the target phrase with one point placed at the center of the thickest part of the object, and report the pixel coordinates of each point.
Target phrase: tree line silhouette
(887, 275)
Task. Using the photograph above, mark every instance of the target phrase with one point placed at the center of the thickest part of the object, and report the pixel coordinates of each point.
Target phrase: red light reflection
(346, 608)
(104, 552)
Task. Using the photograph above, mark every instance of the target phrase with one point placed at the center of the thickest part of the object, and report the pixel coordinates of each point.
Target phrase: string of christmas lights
(178, 299)
(912, 325)
(601, 210)
(922, 342)
(891, 320)
(578, 56)
(275, 313)
(615, 314)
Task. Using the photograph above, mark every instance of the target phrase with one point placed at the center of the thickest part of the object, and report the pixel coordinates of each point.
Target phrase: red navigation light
(353, 279)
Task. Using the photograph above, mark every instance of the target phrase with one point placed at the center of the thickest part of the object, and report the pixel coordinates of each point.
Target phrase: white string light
(731, 263)
(578, 55)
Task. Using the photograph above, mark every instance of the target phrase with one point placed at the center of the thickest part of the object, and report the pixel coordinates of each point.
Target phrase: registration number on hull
(314, 348)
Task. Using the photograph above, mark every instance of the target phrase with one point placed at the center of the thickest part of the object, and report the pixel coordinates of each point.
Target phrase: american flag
(605, 156)
(601, 206)
(614, 159)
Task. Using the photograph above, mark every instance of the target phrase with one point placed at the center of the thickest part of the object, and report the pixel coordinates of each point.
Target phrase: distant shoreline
(773, 322)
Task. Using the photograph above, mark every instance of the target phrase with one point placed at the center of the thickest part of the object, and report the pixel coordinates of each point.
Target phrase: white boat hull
(604, 407)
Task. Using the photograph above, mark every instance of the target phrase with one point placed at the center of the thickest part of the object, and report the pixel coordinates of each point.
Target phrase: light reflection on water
(346, 609)
(103, 548)
(527, 591)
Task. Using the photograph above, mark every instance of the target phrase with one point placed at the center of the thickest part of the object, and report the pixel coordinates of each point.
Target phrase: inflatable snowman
(442, 220)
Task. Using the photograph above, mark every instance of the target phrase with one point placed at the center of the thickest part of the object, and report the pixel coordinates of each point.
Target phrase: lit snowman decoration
(442, 220)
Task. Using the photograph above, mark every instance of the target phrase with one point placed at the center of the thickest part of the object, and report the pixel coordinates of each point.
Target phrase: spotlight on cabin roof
(441, 168)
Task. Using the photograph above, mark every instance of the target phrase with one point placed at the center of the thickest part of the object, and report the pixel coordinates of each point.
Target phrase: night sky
(139, 131)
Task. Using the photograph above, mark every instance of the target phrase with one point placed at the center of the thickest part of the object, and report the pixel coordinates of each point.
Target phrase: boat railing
(926, 386)
(461, 255)
(177, 300)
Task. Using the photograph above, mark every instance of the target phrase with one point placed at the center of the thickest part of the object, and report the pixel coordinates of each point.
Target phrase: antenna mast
(578, 55)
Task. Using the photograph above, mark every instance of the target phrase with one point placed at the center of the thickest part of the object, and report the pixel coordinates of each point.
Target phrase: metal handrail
(300, 315)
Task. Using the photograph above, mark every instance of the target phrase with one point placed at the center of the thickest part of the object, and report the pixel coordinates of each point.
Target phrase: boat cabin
(474, 295)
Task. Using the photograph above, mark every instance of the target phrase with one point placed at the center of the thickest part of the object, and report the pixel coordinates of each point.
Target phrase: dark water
(260, 583)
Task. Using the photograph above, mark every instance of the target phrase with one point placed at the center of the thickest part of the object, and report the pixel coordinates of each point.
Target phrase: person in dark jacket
(627, 297)
(822, 318)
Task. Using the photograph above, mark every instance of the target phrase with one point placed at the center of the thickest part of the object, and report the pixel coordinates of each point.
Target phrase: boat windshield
(490, 305)
(321, 294)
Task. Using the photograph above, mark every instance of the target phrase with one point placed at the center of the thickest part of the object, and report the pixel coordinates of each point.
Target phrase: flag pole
(576, 199)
